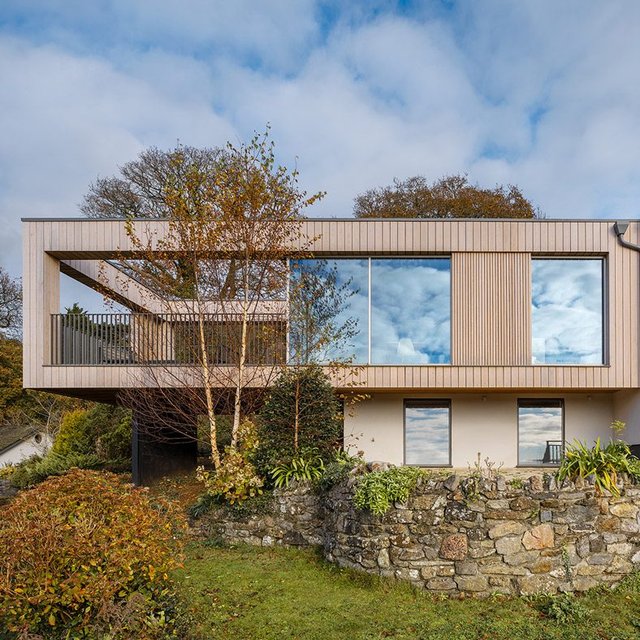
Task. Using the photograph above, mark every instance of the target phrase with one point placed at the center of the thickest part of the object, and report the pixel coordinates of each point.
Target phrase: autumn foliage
(450, 197)
(78, 549)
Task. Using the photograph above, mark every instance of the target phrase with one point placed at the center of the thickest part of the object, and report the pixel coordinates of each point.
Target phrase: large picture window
(410, 311)
(427, 433)
(329, 311)
(540, 432)
(567, 311)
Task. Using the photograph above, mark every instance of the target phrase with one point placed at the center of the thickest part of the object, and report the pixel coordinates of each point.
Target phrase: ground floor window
(427, 432)
(540, 432)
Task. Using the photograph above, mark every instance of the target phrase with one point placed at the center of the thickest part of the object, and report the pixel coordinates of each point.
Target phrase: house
(20, 442)
(506, 338)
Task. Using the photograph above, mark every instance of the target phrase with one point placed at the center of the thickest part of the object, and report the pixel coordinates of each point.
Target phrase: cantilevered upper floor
(436, 305)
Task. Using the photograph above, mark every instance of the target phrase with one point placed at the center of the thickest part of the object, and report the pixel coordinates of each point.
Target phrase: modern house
(506, 338)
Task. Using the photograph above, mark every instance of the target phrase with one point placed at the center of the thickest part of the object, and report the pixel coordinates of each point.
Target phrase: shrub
(236, 478)
(307, 466)
(337, 470)
(378, 490)
(563, 608)
(102, 430)
(604, 464)
(78, 550)
(301, 412)
(36, 469)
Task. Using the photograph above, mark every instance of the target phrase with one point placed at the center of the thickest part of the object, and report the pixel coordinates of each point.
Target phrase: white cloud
(536, 93)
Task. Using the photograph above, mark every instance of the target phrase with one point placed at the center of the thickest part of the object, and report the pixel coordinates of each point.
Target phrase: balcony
(116, 339)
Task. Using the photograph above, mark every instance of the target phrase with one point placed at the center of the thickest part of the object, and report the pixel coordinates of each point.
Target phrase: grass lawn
(263, 593)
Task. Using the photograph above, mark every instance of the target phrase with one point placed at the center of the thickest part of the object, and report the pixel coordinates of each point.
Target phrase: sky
(537, 93)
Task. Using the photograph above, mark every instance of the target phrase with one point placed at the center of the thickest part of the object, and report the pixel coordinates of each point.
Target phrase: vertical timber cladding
(491, 308)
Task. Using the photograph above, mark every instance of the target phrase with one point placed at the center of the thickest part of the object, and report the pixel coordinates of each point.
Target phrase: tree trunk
(211, 415)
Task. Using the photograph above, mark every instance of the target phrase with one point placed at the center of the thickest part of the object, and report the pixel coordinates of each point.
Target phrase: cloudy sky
(539, 93)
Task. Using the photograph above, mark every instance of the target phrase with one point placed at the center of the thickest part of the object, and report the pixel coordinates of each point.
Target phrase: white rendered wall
(25, 449)
(480, 423)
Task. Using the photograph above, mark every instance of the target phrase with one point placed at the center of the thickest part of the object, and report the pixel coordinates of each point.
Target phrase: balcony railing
(168, 339)
(553, 452)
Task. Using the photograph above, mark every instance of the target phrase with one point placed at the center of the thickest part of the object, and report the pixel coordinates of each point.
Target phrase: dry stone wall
(467, 536)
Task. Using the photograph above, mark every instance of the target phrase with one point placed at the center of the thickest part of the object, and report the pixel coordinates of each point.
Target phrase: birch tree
(216, 279)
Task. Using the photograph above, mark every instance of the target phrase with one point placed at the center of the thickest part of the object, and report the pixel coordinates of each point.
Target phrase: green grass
(265, 593)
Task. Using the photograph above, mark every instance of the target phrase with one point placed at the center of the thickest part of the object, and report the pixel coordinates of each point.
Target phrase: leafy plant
(378, 490)
(303, 467)
(301, 412)
(563, 608)
(79, 550)
(604, 464)
(235, 479)
(337, 470)
(36, 469)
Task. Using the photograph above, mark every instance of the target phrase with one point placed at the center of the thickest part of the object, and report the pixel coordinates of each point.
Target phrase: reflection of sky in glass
(536, 426)
(426, 435)
(567, 311)
(354, 273)
(410, 311)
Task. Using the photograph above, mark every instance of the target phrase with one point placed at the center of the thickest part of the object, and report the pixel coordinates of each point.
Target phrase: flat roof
(352, 219)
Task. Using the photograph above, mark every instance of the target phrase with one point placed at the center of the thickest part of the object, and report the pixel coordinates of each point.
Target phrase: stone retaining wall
(463, 536)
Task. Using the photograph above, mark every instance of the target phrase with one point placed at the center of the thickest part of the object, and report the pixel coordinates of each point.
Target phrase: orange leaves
(77, 543)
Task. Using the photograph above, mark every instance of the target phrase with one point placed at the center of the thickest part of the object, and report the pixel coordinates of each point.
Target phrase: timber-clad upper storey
(91, 238)
(493, 270)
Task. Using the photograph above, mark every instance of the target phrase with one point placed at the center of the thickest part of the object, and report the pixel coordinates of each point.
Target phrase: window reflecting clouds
(410, 311)
(427, 433)
(567, 311)
(329, 313)
(540, 437)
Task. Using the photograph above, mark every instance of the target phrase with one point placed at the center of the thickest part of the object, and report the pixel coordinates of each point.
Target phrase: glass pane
(426, 433)
(567, 311)
(540, 438)
(411, 311)
(329, 311)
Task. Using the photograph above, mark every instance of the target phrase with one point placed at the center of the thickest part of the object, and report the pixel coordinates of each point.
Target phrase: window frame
(435, 403)
(369, 258)
(540, 403)
(604, 271)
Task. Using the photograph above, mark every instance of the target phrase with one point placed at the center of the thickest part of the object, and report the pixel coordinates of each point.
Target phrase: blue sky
(539, 93)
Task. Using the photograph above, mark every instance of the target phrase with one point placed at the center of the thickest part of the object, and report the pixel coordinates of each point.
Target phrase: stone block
(624, 510)
(508, 545)
(406, 554)
(540, 537)
(466, 568)
(441, 584)
(541, 565)
(523, 503)
(599, 558)
(506, 528)
(502, 504)
(529, 585)
(472, 584)
(452, 482)
(506, 514)
(383, 559)
(546, 515)
(607, 523)
(454, 547)
(621, 548)
(584, 569)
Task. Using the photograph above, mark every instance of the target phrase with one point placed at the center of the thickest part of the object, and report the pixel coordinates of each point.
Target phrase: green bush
(301, 412)
(102, 430)
(563, 608)
(235, 479)
(88, 555)
(337, 470)
(604, 464)
(377, 491)
(307, 466)
(36, 469)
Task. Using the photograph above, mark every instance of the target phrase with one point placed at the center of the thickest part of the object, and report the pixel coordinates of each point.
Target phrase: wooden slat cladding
(491, 309)
(497, 353)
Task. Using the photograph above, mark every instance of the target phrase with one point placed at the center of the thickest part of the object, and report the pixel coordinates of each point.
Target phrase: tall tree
(10, 306)
(213, 276)
(449, 197)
